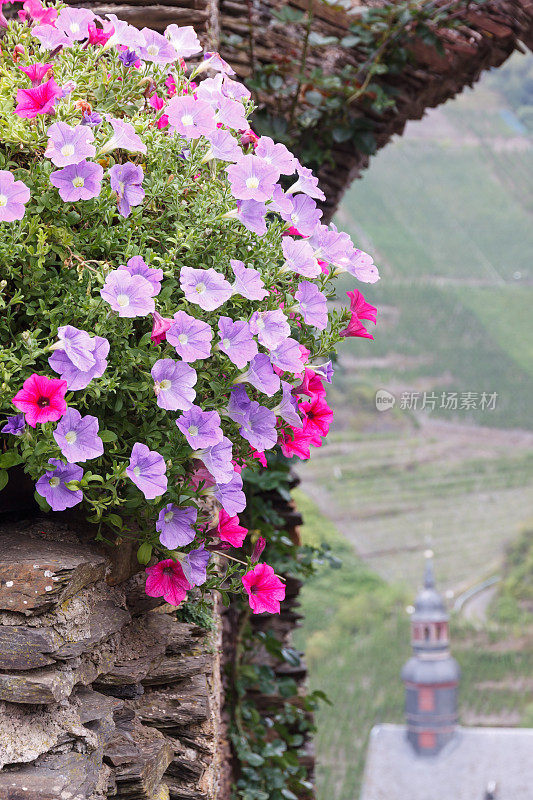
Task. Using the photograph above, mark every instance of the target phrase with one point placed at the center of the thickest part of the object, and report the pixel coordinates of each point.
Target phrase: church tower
(431, 675)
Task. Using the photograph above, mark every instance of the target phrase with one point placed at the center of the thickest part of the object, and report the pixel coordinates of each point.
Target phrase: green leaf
(10, 459)
(4, 477)
(144, 553)
(107, 436)
(254, 759)
(114, 520)
(41, 502)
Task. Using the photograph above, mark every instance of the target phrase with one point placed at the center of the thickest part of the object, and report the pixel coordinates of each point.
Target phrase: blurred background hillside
(447, 212)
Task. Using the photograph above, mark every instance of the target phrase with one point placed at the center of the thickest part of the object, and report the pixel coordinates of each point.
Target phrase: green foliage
(514, 601)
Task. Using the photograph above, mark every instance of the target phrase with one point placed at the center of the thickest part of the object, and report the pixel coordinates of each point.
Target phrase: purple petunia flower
(200, 428)
(288, 357)
(259, 427)
(190, 336)
(216, 62)
(231, 113)
(15, 425)
(277, 155)
(189, 117)
(288, 407)
(91, 352)
(81, 181)
(53, 485)
(123, 138)
(205, 287)
(210, 90)
(217, 459)
(305, 214)
(251, 178)
(67, 145)
(313, 305)
(124, 34)
(332, 245)
(173, 382)
(299, 258)
(128, 57)
(231, 496)
(156, 48)
(281, 203)
(184, 40)
(175, 525)
(271, 327)
(147, 470)
(236, 341)
(261, 375)
(77, 436)
(137, 266)
(239, 405)
(92, 120)
(234, 89)
(50, 37)
(126, 180)
(252, 215)
(129, 295)
(362, 267)
(248, 282)
(223, 146)
(307, 183)
(194, 565)
(74, 22)
(13, 197)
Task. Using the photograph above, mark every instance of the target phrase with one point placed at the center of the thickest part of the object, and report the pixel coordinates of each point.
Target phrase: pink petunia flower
(36, 11)
(265, 590)
(41, 399)
(160, 327)
(36, 72)
(229, 530)
(40, 100)
(317, 417)
(167, 579)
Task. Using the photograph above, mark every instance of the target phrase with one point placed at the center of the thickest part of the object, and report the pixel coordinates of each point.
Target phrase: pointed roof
(429, 603)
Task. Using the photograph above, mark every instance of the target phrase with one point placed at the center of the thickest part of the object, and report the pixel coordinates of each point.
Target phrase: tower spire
(431, 675)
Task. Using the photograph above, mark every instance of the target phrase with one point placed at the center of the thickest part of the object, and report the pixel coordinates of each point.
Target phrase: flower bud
(258, 549)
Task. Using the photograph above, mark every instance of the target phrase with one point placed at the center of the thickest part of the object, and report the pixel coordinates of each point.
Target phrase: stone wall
(103, 692)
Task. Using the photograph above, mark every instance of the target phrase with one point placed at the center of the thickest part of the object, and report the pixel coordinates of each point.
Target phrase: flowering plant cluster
(164, 292)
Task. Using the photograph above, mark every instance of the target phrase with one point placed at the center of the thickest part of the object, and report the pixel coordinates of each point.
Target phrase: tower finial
(429, 574)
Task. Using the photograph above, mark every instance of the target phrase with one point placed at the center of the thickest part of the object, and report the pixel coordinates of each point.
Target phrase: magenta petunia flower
(50, 37)
(189, 117)
(76, 347)
(231, 113)
(53, 485)
(277, 155)
(74, 22)
(231, 496)
(259, 427)
(217, 459)
(35, 11)
(39, 100)
(41, 399)
(129, 295)
(307, 183)
(124, 138)
(184, 40)
(36, 72)
(223, 146)
(236, 341)
(147, 470)
(13, 197)
(229, 530)
(156, 48)
(175, 526)
(313, 305)
(15, 425)
(288, 357)
(160, 326)
(190, 336)
(67, 145)
(261, 375)
(167, 580)
(288, 407)
(173, 382)
(126, 180)
(359, 306)
(138, 266)
(195, 565)
(248, 282)
(265, 590)
(200, 428)
(81, 181)
(205, 287)
(77, 436)
(304, 215)
(270, 327)
(299, 258)
(251, 178)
